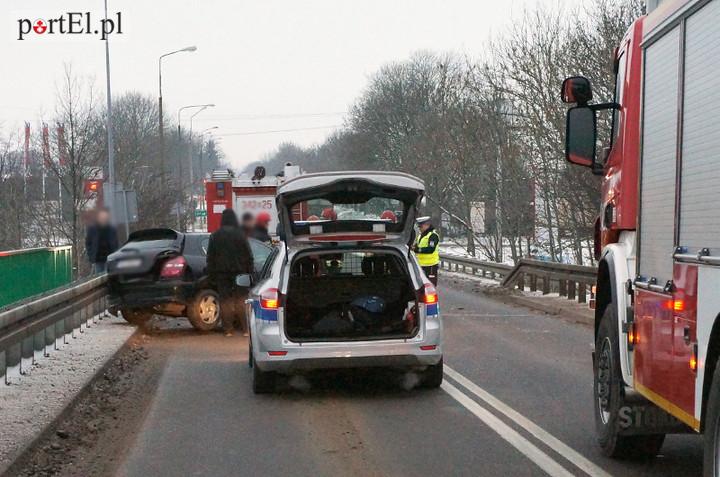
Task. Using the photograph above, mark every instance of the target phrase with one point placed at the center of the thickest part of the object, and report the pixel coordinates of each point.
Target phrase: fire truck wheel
(609, 397)
(711, 459)
(204, 310)
(136, 316)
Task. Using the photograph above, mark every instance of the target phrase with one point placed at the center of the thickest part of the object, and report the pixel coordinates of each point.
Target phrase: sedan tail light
(429, 296)
(173, 268)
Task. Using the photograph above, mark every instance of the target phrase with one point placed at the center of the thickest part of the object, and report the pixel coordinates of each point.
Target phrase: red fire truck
(657, 332)
(247, 193)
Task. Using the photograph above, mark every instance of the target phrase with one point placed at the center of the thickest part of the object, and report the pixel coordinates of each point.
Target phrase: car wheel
(432, 377)
(263, 381)
(136, 316)
(711, 457)
(204, 310)
(609, 397)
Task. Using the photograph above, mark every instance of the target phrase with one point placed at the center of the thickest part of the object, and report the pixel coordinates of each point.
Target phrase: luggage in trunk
(350, 296)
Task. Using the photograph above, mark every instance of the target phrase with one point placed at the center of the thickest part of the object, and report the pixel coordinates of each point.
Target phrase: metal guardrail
(571, 281)
(34, 329)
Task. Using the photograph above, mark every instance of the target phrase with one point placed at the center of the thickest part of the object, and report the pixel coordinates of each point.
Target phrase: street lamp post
(180, 181)
(110, 199)
(160, 108)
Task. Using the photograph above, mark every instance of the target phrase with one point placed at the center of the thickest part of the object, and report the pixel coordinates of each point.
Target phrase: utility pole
(110, 201)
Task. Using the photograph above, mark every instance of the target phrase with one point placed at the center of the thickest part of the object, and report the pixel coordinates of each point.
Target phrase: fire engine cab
(247, 193)
(657, 332)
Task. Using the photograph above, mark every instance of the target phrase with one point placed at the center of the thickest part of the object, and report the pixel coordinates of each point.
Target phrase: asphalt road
(517, 401)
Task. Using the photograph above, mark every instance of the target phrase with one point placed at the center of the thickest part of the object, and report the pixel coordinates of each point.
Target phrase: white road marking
(551, 441)
(532, 452)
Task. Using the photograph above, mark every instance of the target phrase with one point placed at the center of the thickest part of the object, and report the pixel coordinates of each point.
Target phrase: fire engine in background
(657, 332)
(246, 193)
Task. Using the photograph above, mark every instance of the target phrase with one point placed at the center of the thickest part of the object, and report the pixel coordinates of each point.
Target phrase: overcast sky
(268, 65)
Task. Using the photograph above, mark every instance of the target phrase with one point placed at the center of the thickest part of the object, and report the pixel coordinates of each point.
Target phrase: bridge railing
(39, 326)
(571, 281)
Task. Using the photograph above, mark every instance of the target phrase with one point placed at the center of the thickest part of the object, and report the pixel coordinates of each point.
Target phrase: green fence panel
(24, 273)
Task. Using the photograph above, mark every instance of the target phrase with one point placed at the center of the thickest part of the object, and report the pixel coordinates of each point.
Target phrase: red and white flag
(62, 145)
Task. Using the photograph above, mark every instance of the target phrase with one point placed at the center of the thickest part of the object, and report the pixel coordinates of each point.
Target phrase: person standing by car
(427, 249)
(100, 240)
(229, 255)
(260, 231)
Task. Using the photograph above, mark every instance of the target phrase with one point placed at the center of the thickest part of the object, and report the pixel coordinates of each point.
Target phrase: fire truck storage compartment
(657, 217)
(350, 295)
(700, 177)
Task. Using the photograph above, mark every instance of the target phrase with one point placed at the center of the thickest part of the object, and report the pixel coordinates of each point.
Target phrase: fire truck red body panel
(676, 301)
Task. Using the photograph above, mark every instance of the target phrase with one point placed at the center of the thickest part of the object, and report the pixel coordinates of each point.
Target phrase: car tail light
(429, 296)
(270, 299)
(277, 353)
(173, 268)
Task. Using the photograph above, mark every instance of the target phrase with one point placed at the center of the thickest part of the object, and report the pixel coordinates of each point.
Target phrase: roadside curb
(17, 456)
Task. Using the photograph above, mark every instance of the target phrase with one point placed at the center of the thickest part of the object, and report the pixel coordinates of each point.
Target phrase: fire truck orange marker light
(678, 305)
(693, 363)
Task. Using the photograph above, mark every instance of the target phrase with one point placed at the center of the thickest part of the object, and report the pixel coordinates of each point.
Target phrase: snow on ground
(38, 397)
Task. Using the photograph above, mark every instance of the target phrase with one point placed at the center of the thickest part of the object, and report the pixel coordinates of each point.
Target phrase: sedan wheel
(204, 311)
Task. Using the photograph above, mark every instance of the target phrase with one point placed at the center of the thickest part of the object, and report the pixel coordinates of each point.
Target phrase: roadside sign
(200, 213)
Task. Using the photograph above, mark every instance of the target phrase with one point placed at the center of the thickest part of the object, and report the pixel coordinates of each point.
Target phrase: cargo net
(349, 264)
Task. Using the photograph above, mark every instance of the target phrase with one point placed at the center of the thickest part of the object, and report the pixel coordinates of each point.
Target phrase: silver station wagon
(343, 290)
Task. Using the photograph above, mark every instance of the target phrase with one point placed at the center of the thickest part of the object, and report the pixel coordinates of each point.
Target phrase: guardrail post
(28, 354)
(521, 282)
(546, 284)
(13, 356)
(3, 366)
(533, 282)
(582, 291)
(562, 287)
(571, 290)
(39, 345)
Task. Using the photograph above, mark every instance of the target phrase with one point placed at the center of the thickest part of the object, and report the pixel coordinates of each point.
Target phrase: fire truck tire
(204, 310)
(711, 457)
(136, 316)
(609, 397)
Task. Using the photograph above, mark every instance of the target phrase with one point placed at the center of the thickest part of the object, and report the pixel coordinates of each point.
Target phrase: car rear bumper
(146, 295)
(422, 351)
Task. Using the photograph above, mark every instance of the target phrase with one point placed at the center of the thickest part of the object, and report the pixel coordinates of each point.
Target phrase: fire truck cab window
(619, 89)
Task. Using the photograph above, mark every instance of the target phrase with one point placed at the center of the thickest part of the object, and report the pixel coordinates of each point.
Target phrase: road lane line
(577, 459)
(532, 452)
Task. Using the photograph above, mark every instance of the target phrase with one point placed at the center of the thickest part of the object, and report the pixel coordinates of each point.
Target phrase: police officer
(427, 249)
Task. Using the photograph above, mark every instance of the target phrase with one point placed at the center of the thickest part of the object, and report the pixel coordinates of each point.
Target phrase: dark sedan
(165, 272)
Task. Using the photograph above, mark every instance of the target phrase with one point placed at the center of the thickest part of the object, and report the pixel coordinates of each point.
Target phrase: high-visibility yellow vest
(428, 259)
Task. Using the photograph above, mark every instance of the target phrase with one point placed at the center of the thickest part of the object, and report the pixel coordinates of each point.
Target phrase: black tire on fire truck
(203, 312)
(609, 397)
(136, 316)
(711, 456)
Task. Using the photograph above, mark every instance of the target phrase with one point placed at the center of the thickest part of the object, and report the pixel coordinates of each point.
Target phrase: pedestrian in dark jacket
(100, 240)
(229, 255)
(247, 223)
(260, 231)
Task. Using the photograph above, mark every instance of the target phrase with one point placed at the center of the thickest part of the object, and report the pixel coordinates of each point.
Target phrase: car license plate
(132, 263)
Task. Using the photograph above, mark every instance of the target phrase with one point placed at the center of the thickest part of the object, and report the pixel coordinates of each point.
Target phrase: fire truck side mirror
(576, 89)
(580, 136)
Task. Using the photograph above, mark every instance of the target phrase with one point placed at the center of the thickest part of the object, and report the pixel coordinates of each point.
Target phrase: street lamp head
(190, 48)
